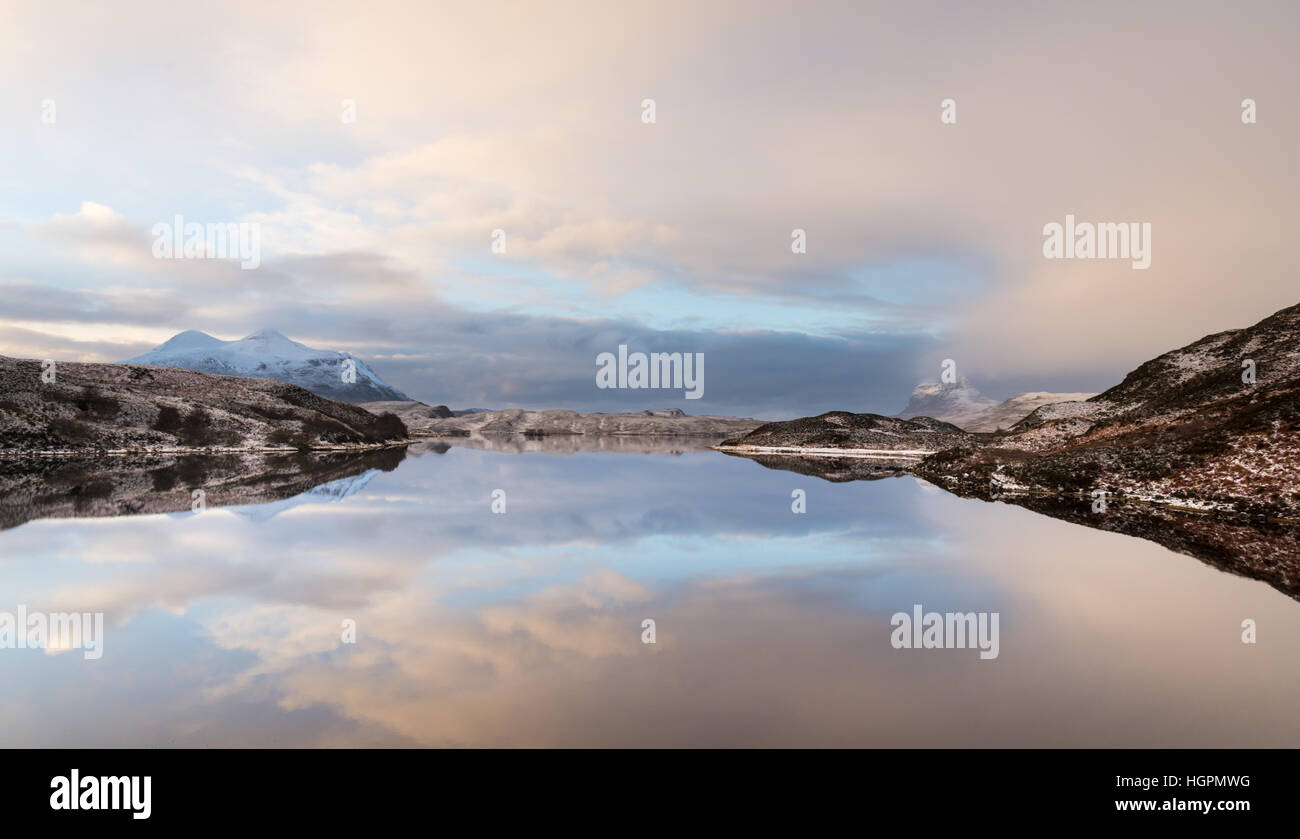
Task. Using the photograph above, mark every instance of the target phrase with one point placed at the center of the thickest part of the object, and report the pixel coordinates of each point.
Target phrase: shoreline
(914, 457)
(20, 453)
(812, 451)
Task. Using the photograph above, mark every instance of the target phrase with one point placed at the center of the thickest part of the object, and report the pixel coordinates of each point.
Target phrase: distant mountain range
(962, 405)
(268, 354)
(424, 421)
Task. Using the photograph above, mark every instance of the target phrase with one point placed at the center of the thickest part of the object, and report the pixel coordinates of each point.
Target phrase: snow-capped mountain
(267, 354)
(1006, 414)
(956, 402)
(964, 406)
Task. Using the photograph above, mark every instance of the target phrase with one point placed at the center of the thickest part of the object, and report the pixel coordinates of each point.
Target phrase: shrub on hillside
(388, 427)
(69, 433)
(289, 437)
(97, 404)
(197, 430)
(169, 420)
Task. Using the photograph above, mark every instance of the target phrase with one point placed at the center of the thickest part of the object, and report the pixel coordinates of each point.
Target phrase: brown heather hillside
(129, 407)
(1182, 429)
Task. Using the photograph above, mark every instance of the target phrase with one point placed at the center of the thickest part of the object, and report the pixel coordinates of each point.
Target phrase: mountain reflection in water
(223, 627)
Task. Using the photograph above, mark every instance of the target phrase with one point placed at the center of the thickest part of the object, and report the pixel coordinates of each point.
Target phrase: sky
(924, 238)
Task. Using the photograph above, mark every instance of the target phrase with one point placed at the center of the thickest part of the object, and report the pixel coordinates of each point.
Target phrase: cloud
(527, 119)
(366, 303)
(97, 233)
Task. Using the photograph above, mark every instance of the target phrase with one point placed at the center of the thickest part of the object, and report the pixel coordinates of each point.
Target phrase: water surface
(223, 627)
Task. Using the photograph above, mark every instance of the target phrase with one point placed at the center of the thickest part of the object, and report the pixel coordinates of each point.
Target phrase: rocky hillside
(665, 423)
(1182, 429)
(846, 431)
(129, 407)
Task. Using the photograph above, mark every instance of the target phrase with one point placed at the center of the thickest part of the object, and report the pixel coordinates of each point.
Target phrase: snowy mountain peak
(267, 335)
(949, 399)
(962, 405)
(271, 342)
(190, 339)
(269, 354)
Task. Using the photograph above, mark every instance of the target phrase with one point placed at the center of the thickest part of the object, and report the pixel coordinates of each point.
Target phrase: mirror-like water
(225, 627)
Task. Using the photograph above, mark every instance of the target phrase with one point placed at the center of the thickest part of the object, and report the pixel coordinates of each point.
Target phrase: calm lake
(525, 628)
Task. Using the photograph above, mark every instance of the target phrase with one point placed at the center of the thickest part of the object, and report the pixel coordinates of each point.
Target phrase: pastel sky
(924, 240)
